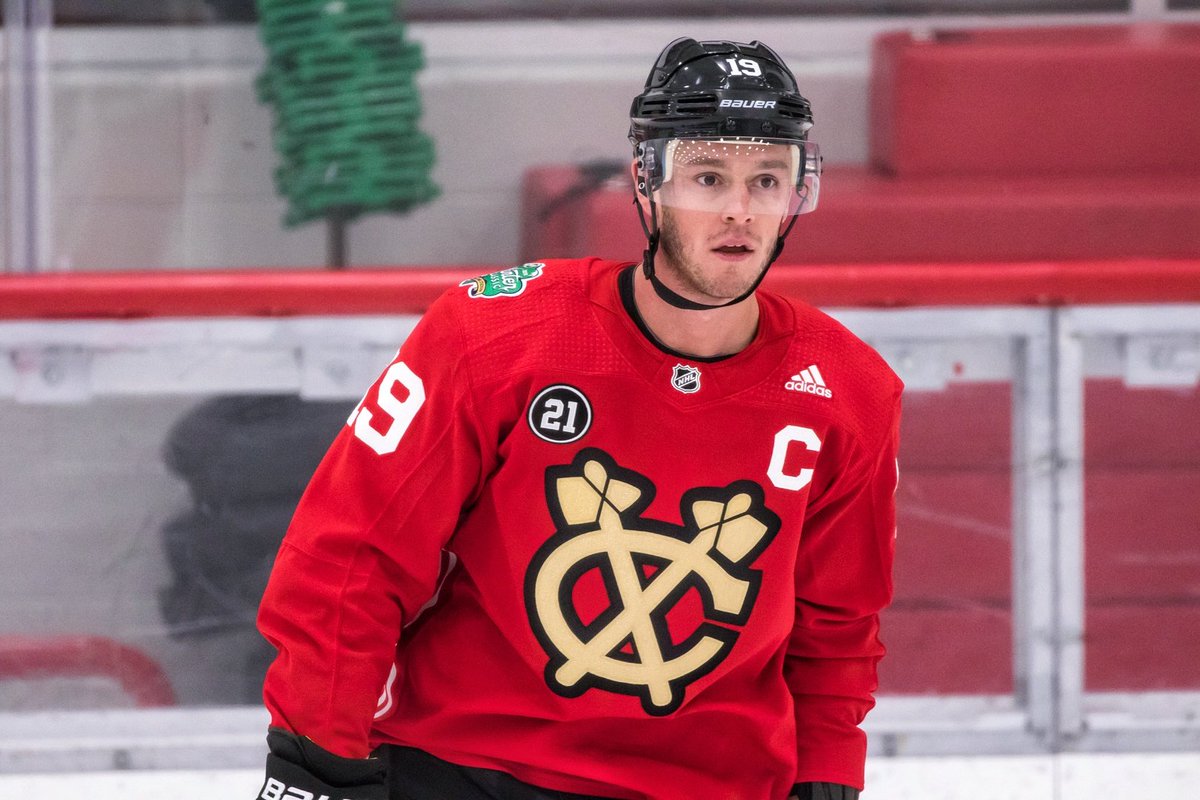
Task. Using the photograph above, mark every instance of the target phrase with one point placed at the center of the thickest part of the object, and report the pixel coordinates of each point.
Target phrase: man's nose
(736, 207)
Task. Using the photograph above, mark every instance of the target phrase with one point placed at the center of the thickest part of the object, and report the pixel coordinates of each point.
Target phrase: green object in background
(340, 76)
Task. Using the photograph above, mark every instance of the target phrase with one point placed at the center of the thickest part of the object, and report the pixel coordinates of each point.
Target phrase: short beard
(686, 272)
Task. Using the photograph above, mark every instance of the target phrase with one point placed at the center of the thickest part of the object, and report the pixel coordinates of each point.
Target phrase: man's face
(721, 210)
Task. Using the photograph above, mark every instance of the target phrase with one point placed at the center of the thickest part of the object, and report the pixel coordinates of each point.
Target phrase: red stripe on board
(412, 289)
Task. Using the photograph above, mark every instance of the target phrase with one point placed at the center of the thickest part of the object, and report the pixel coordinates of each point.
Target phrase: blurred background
(221, 217)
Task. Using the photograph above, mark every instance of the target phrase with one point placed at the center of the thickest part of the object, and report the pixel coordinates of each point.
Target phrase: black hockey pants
(416, 775)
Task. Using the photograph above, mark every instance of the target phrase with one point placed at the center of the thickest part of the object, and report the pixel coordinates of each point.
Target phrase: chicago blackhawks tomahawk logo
(641, 569)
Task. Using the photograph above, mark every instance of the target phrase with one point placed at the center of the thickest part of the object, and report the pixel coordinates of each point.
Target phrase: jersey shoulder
(514, 297)
(829, 361)
(522, 315)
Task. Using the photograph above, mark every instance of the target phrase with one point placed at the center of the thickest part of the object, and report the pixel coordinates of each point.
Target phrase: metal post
(1144, 10)
(26, 30)
(335, 242)
(1033, 497)
(1069, 516)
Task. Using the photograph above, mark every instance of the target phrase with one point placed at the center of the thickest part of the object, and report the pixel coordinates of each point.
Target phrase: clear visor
(769, 177)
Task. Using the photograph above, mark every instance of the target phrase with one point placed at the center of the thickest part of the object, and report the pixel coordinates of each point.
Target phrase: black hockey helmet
(710, 89)
(701, 96)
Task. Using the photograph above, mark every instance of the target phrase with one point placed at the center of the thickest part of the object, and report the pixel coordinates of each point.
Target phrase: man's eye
(707, 179)
(768, 182)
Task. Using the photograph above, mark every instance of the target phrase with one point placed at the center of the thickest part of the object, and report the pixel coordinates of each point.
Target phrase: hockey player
(606, 530)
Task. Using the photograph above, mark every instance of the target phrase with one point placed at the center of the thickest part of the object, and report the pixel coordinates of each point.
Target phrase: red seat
(963, 650)
(1142, 647)
(967, 649)
(1118, 100)
(41, 657)
(1140, 427)
(867, 217)
(1142, 543)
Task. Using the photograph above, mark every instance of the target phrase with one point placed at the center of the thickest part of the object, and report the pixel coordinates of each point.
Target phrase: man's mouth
(733, 249)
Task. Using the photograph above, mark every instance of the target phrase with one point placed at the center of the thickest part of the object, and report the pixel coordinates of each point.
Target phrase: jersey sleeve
(363, 551)
(843, 581)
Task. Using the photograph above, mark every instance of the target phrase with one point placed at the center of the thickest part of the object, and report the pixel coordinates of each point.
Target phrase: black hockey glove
(297, 769)
(824, 791)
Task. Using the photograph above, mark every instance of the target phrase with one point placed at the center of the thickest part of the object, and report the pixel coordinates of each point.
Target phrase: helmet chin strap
(653, 236)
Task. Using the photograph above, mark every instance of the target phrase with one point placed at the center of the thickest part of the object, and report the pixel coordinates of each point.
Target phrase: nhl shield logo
(686, 378)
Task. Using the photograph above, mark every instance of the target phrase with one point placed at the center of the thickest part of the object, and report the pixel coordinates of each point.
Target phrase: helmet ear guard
(649, 168)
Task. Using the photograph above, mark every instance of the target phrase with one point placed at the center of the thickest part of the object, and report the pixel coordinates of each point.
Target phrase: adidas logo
(809, 380)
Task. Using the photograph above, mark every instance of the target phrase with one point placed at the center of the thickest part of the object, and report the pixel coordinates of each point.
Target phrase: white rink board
(1161, 776)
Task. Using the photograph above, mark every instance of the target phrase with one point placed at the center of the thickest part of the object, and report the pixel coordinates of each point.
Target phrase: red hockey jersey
(544, 545)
